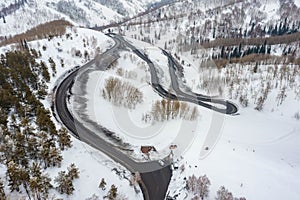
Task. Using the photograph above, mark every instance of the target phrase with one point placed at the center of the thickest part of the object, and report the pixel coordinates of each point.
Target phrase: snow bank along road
(152, 172)
(202, 100)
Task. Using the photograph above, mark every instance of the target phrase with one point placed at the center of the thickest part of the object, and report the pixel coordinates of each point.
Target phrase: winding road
(151, 172)
(199, 99)
(155, 178)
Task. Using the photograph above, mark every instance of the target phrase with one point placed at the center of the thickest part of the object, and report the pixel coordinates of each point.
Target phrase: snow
(96, 14)
(253, 154)
(93, 165)
(127, 124)
(23, 15)
(297, 2)
(256, 157)
(61, 48)
(271, 8)
(161, 64)
(261, 146)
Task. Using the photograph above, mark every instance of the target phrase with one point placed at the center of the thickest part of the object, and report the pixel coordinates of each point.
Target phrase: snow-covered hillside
(241, 50)
(75, 48)
(197, 22)
(255, 154)
(256, 151)
(85, 13)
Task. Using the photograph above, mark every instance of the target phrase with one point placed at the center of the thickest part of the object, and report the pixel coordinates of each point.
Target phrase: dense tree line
(29, 140)
(240, 51)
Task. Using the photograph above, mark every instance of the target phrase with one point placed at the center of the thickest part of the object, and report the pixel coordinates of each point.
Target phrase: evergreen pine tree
(64, 139)
(64, 183)
(39, 184)
(2, 193)
(73, 172)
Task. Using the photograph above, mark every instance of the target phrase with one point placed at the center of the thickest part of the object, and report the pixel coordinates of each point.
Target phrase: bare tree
(199, 186)
(121, 93)
(224, 194)
(281, 96)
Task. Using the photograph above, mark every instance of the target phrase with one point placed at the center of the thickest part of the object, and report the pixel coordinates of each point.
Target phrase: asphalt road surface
(155, 177)
(209, 102)
(152, 172)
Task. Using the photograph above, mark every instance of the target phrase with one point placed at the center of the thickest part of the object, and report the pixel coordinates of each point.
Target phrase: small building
(147, 149)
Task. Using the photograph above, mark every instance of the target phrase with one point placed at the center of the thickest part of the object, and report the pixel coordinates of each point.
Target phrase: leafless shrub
(121, 93)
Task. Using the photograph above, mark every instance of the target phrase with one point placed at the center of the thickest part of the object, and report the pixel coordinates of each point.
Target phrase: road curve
(202, 100)
(230, 108)
(151, 172)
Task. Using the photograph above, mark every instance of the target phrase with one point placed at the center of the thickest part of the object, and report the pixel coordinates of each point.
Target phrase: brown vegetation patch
(42, 31)
(257, 58)
(282, 39)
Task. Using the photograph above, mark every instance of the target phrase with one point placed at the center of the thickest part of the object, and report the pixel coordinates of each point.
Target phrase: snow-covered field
(127, 123)
(257, 152)
(256, 156)
(253, 154)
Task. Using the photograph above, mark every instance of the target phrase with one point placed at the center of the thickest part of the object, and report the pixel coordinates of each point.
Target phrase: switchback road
(155, 178)
(151, 172)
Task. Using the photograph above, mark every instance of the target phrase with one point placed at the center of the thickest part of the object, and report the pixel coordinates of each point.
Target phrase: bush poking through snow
(198, 186)
(93, 197)
(102, 184)
(121, 93)
(297, 115)
(112, 193)
(169, 109)
(224, 194)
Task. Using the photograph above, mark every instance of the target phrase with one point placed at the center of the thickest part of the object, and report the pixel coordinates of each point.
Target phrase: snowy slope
(256, 157)
(85, 13)
(92, 164)
(255, 154)
(199, 21)
(91, 14)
